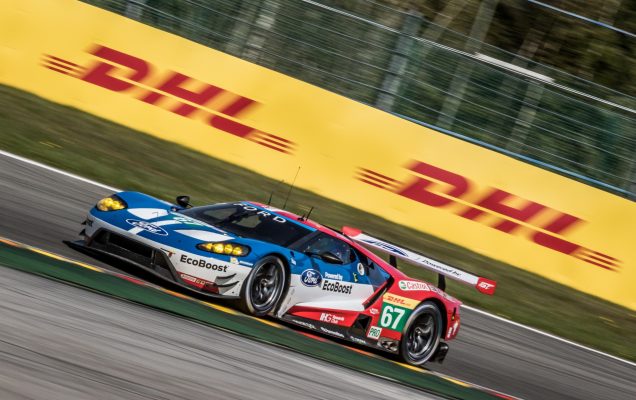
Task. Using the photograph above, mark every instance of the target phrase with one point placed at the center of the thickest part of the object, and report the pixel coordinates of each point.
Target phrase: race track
(42, 208)
(62, 342)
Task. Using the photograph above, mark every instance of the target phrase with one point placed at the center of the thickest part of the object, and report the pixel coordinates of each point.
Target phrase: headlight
(230, 249)
(112, 203)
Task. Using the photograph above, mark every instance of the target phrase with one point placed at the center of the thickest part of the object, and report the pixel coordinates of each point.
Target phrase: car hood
(156, 219)
(161, 222)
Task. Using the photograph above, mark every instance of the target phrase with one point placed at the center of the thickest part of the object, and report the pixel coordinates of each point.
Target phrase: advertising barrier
(166, 86)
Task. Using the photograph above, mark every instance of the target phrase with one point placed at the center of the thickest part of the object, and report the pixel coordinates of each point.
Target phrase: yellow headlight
(208, 246)
(228, 249)
(112, 203)
(238, 250)
(218, 247)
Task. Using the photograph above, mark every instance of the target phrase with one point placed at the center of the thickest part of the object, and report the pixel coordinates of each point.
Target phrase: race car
(273, 262)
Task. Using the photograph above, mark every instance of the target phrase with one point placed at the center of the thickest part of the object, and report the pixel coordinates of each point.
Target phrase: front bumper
(121, 249)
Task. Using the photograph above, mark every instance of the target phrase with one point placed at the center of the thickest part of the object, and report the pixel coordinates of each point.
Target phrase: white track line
(58, 171)
(79, 178)
(540, 332)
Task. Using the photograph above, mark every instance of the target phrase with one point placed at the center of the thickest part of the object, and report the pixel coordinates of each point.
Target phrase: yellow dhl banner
(166, 86)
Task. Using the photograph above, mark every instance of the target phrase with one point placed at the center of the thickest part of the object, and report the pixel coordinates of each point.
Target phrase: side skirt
(343, 333)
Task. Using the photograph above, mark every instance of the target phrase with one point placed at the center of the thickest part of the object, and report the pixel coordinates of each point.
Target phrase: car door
(333, 277)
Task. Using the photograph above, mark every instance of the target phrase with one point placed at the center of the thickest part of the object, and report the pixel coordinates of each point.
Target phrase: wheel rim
(421, 338)
(267, 286)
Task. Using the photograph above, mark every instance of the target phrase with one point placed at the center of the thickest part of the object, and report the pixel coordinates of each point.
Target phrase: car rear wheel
(422, 334)
(264, 287)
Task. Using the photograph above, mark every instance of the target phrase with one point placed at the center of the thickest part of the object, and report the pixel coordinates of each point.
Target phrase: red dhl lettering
(437, 187)
(394, 299)
(121, 72)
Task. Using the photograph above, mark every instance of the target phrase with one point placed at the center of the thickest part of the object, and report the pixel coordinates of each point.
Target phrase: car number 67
(391, 316)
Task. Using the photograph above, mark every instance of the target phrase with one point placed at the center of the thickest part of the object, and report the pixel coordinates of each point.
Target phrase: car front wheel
(264, 287)
(422, 334)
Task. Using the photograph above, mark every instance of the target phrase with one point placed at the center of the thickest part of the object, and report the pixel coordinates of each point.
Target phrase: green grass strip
(113, 154)
(28, 261)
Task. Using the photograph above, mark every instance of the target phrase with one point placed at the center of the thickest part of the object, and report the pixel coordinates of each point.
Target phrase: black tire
(264, 287)
(422, 334)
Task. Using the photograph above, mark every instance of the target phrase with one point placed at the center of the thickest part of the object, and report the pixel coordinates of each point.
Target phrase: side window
(377, 276)
(324, 243)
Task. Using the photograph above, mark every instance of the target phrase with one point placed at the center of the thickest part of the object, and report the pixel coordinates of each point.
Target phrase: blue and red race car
(273, 262)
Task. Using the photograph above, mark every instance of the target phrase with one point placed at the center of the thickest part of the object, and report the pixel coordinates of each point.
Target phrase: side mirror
(330, 258)
(184, 201)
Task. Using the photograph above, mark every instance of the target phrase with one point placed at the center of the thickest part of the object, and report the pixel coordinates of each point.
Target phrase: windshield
(250, 222)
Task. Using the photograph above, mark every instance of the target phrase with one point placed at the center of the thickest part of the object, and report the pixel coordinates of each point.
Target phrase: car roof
(337, 234)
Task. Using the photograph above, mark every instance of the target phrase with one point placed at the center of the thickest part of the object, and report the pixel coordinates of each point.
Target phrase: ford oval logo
(311, 277)
(148, 227)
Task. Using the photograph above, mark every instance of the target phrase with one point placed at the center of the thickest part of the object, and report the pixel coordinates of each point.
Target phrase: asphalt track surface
(62, 342)
(42, 208)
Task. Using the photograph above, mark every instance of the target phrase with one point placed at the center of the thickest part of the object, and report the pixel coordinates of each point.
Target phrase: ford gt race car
(272, 262)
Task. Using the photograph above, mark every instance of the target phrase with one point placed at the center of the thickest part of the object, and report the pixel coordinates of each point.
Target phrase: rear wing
(484, 285)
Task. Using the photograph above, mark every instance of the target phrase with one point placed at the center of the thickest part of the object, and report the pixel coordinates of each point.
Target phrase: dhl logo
(400, 301)
(437, 187)
(121, 72)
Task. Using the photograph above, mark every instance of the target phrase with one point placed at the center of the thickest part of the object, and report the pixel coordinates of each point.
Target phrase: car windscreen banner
(166, 86)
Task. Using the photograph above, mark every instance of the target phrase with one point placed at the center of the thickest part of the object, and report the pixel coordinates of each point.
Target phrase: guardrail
(406, 65)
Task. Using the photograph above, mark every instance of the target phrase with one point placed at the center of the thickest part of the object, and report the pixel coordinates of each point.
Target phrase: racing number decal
(393, 317)
(395, 311)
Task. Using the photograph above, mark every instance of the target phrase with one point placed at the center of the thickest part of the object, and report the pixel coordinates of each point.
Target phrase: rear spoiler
(484, 285)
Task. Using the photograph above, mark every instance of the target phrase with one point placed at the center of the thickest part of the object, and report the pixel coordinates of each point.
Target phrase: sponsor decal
(120, 72)
(265, 214)
(361, 269)
(305, 324)
(234, 260)
(452, 330)
(310, 278)
(444, 294)
(399, 301)
(193, 279)
(337, 287)
(187, 220)
(413, 285)
(374, 332)
(189, 278)
(89, 222)
(335, 277)
(465, 198)
(329, 331)
(386, 246)
(374, 311)
(331, 318)
(486, 286)
(436, 266)
(357, 340)
(202, 263)
(148, 227)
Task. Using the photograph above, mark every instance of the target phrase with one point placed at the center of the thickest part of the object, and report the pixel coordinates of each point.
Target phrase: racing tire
(264, 287)
(422, 334)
